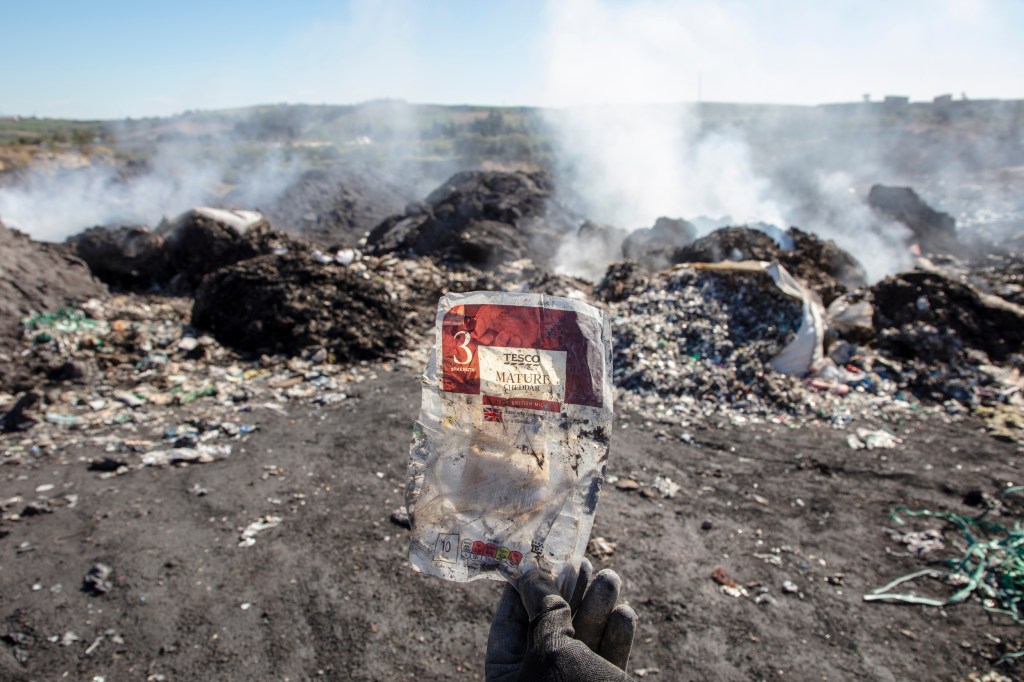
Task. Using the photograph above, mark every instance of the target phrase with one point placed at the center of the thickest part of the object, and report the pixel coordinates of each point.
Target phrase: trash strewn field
(204, 454)
(798, 519)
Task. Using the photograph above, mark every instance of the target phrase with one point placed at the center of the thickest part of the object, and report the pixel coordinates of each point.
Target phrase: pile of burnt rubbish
(184, 329)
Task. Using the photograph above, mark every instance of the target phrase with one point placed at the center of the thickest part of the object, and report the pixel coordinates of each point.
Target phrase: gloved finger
(510, 612)
(550, 616)
(533, 588)
(507, 642)
(618, 636)
(596, 607)
(582, 582)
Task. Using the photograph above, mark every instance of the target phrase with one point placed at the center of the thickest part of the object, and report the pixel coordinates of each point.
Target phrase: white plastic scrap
(345, 256)
(736, 591)
(873, 440)
(202, 453)
(601, 547)
(921, 542)
(238, 220)
(263, 523)
(805, 351)
(847, 316)
(666, 486)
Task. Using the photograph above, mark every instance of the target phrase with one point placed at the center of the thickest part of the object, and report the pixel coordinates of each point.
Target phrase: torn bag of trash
(509, 451)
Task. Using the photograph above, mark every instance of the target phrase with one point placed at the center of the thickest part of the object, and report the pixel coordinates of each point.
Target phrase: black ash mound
(292, 302)
(35, 277)
(479, 219)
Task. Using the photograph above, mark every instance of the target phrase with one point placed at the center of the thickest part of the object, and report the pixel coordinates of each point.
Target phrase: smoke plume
(625, 161)
(52, 204)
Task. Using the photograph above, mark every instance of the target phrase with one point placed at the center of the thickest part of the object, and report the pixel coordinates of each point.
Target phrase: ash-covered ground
(205, 429)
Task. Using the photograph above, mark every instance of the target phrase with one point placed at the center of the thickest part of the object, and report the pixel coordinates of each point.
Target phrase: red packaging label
(512, 332)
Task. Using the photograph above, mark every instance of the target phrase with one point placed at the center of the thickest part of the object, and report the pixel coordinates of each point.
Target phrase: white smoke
(626, 159)
(52, 204)
(369, 56)
(629, 158)
(834, 207)
(630, 164)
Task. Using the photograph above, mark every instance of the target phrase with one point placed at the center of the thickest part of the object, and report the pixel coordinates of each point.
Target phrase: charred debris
(187, 326)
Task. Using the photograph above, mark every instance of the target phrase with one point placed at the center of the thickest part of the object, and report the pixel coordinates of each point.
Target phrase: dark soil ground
(329, 594)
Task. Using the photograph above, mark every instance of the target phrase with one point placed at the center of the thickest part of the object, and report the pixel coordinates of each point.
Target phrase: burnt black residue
(577, 458)
(590, 501)
(539, 456)
(598, 435)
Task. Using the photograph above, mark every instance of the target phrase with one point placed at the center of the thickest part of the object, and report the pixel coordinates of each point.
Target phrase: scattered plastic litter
(67, 639)
(726, 584)
(601, 548)
(666, 486)
(921, 542)
(872, 440)
(248, 537)
(97, 580)
(200, 454)
(59, 322)
(991, 568)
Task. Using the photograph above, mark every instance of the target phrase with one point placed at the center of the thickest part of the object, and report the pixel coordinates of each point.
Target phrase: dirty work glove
(540, 636)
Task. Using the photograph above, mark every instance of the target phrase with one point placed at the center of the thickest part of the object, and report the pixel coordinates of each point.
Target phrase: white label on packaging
(447, 547)
(507, 372)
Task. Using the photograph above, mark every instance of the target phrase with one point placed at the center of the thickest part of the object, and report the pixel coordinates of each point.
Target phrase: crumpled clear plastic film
(509, 451)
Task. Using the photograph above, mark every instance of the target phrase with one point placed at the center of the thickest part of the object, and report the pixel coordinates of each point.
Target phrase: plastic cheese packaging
(509, 451)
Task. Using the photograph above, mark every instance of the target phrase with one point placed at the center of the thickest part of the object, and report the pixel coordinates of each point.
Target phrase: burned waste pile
(178, 253)
(335, 208)
(480, 219)
(35, 278)
(204, 239)
(219, 440)
(288, 303)
(736, 327)
(933, 231)
(697, 340)
(824, 266)
(128, 257)
(952, 340)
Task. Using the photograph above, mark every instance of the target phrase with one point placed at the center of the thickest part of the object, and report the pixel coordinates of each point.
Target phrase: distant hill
(397, 130)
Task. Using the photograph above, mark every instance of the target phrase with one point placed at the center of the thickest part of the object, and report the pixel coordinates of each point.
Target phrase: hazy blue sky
(108, 58)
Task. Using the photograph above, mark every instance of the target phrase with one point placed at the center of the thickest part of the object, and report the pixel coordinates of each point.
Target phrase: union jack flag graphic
(492, 414)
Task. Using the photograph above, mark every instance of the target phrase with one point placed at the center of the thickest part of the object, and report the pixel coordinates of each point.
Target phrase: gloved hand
(540, 636)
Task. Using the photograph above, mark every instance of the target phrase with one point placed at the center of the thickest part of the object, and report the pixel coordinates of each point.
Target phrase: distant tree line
(495, 137)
